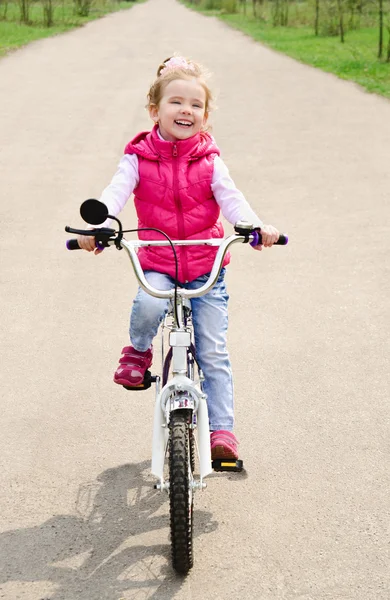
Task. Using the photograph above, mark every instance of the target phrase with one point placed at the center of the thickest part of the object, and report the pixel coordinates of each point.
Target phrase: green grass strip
(355, 60)
(14, 34)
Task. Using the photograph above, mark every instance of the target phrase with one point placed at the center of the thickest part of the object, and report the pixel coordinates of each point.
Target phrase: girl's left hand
(269, 235)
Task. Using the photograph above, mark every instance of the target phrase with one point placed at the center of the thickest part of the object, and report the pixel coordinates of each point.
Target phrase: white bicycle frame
(180, 391)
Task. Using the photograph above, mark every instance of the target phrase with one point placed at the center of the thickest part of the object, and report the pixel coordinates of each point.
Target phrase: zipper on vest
(179, 212)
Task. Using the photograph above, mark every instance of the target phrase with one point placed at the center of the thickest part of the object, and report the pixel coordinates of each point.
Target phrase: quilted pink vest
(174, 194)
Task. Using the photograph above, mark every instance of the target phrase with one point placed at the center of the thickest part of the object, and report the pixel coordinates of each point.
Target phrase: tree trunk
(276, 12)
(4, 10)
(341, 20)
(317, 18)
(24, 6)
(380, 45)
(285, 13)
(48, 13)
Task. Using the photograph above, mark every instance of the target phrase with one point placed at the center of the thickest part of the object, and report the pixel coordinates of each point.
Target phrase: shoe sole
(127, 383)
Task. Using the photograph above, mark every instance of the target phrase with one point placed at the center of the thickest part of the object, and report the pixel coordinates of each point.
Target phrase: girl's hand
(87, 242)
(269, 235)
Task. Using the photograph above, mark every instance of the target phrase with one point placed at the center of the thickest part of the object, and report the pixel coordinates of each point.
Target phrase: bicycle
(181, 427)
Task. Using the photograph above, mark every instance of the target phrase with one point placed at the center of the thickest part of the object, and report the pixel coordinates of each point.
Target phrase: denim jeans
(210, 319)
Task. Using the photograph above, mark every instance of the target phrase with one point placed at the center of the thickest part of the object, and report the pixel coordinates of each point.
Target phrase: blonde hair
(187, 70)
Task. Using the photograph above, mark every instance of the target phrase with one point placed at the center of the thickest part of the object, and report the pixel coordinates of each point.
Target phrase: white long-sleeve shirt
(231, 201)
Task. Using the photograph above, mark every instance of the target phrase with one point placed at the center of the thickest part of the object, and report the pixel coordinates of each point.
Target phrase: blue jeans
(210, 319)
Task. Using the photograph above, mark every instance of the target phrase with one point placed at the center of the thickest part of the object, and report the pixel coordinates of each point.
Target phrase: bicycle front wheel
(180, 491)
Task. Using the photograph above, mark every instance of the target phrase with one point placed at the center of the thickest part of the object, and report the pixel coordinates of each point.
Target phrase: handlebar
(214, 274)
(105, 237)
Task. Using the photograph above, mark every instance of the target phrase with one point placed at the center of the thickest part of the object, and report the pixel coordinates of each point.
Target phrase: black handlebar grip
(73, 244)
(282, 241)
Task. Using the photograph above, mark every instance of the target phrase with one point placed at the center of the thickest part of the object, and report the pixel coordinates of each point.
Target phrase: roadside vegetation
(23, 21)
(350, 38)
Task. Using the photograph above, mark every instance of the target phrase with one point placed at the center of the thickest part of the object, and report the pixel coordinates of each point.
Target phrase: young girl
(181, 185)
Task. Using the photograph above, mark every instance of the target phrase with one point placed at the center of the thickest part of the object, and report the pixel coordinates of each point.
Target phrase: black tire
(180, 492)
(192, 450)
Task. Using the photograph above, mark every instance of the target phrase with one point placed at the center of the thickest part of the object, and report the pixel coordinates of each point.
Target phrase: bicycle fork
(179, 393)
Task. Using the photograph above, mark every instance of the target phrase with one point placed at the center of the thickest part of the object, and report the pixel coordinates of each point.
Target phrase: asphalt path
(309, 328)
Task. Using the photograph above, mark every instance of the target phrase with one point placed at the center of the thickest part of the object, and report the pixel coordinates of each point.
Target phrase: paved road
(308, 335)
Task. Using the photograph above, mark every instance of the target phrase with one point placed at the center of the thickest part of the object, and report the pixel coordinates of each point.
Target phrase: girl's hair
(177, 67)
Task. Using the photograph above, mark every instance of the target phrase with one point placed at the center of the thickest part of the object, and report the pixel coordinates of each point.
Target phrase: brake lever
(92, 232)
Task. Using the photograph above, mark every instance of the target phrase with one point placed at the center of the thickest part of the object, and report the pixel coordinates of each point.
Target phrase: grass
(14, 34)
(355, 60)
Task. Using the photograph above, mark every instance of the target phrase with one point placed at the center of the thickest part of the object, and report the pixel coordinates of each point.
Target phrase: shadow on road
(95, 554)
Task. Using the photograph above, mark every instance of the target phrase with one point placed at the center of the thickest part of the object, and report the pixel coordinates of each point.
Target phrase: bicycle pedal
(145, 385)
(227, 464)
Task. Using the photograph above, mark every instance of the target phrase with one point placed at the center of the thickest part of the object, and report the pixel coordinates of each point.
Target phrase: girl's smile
(181, 112)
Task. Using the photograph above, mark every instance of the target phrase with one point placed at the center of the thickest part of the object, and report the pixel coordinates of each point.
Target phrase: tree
(380, 46)
(317, 17)
(388, 45)
(24, 6)
(341, 20)
(48, 13)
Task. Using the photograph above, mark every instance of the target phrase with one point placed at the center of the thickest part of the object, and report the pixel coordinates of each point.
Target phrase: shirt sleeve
(231, 201)
(119, 190)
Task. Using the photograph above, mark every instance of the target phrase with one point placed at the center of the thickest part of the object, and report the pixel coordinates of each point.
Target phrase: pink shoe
(132, 366)
(223, 445)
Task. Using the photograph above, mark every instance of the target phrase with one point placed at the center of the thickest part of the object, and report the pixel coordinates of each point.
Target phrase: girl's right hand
(87, 242)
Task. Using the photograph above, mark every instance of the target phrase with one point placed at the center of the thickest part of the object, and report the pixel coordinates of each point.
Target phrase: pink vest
(174, 194)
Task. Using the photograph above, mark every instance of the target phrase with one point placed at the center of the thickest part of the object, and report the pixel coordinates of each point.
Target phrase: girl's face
(181, 112)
